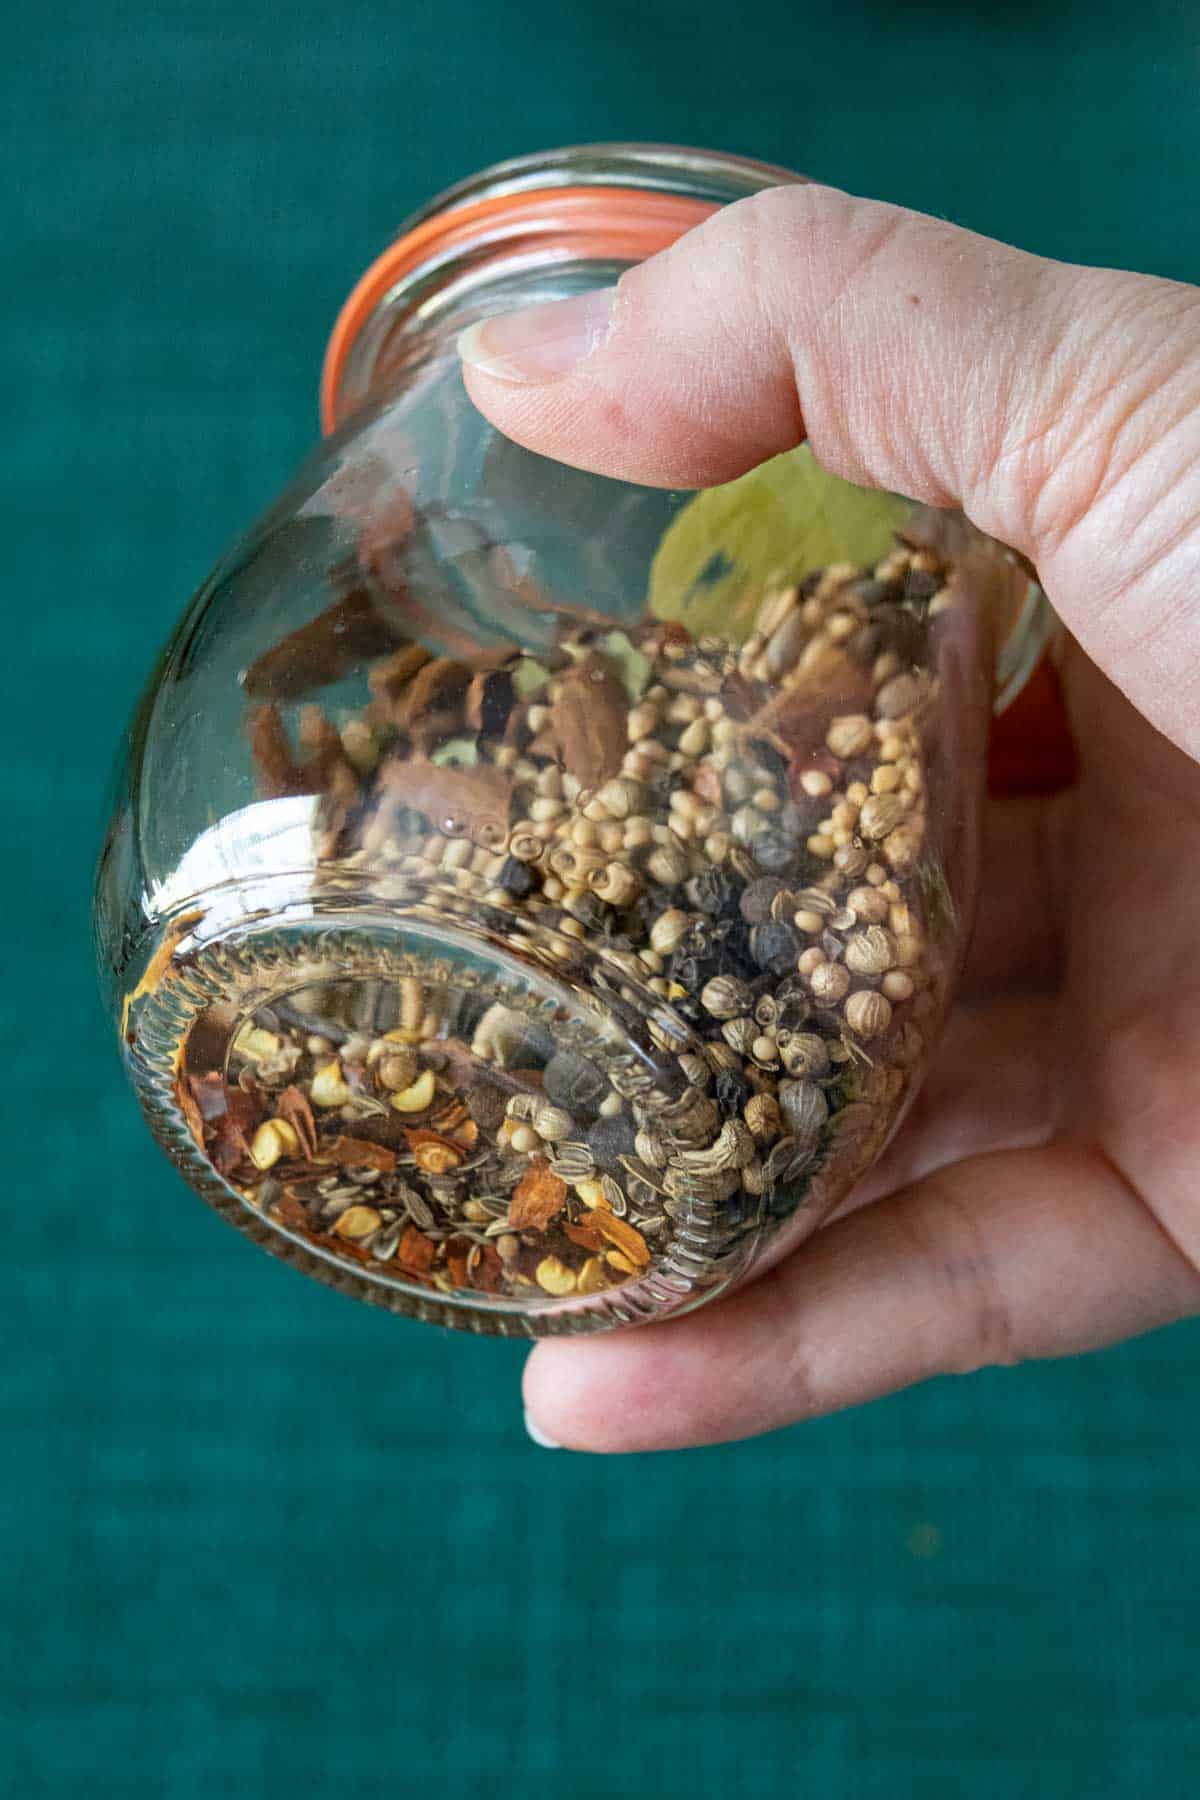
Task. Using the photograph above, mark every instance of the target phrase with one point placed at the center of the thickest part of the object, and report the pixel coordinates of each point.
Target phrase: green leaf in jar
(771, 526)
(456, 753)
(529, 677)
(633, 668)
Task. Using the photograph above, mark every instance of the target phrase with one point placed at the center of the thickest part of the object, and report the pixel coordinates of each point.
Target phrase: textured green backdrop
(258, 1541)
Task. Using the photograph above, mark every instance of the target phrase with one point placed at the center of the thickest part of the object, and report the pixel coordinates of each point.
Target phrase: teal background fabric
(258, 1541)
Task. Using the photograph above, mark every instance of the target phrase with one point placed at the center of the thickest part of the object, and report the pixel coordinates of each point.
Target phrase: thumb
(1058, 406)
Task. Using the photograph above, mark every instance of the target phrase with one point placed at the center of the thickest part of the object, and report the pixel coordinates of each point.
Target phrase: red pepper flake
(537, 1198)
(414, 1251)
(360, 1153)
(292, 1106)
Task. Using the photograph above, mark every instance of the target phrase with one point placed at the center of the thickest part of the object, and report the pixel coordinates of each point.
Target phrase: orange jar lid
(619, 223)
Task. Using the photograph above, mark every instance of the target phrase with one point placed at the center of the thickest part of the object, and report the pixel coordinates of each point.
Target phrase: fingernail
(539, 1437)
(539, 343)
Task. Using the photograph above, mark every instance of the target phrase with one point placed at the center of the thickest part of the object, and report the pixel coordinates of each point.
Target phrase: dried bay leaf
(529, 678)
(456, 753)
(773, 525)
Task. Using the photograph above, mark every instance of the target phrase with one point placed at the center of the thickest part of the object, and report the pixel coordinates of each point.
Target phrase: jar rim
(623, 201)
(619, 201)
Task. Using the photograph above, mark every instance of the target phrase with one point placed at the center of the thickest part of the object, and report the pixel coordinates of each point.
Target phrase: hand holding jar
(1041, 1198)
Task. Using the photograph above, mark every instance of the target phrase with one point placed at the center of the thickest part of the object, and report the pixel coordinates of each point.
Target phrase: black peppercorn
(516, 878)
(732, 1091)
(920, 585)
(688, 970)
(868, 590)
(775, 851)
(773, 947)
(801, 816)
(757, 898)
(574, 1083)
(589, 910)
(710, 892)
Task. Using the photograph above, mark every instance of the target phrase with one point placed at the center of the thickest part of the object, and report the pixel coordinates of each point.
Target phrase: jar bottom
(421, 1119)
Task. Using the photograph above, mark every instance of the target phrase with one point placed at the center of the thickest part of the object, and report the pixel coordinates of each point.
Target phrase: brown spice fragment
(326, 768)
(389, 678)
(430, 707)
(229, 1147)
(348, 633)
(457, 1252)
(360, 1153)
(449, 1118)
(488, 1270)
(186, 1102)
(229, 1130)
(828, 675)
(289, 1210)
(209, 1093)
(741, 697)
(537, 1198)
(588, 718)
(292, 1106)
(793, 723)
(471, 803)
(244, 1105)
(279, 774)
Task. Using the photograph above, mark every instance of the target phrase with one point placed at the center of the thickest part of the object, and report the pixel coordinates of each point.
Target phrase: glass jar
(532, 900)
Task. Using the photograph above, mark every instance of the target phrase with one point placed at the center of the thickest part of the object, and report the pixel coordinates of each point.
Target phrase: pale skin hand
(1044, 1198)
